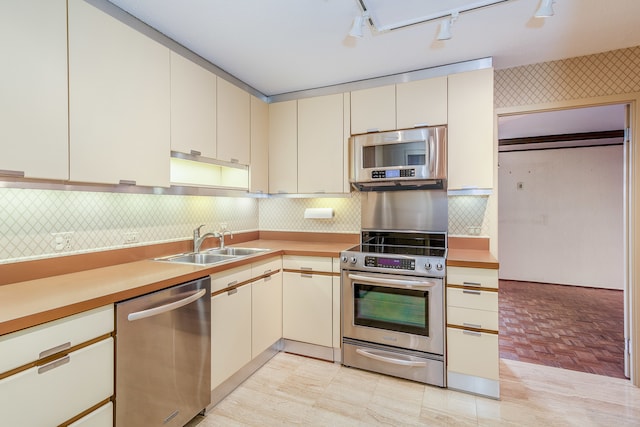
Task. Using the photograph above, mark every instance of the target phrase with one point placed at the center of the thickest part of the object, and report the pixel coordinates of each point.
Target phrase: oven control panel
(387, 262)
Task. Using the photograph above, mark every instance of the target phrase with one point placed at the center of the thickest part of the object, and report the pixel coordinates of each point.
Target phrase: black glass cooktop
(403, 243)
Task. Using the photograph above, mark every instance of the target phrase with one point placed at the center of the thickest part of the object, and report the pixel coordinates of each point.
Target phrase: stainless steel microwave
(399, 160)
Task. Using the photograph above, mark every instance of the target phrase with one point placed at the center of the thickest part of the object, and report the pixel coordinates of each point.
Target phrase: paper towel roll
(318, 213)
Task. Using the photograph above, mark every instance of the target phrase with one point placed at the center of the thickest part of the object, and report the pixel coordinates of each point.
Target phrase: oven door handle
(421, 285)
(393, 360)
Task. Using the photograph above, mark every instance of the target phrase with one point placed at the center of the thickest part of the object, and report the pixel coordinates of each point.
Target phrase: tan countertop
(29, 303)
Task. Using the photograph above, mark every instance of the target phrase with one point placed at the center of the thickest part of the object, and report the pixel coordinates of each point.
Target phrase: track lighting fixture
(445, 27)
(545, 10)
(358, 25)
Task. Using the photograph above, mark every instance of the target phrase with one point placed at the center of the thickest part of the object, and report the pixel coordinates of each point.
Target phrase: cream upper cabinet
(234, 122)
(193, 108)
(373, 110)
(421, 103)
(259, 166)
(470, 131)
(283, 147)
(321, 144)
(119, 101)
(33, 84)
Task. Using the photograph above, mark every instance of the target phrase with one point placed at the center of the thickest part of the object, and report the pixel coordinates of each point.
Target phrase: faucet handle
(196, 232)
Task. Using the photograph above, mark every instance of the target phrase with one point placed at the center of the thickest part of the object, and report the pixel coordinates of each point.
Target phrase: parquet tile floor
(568, 327)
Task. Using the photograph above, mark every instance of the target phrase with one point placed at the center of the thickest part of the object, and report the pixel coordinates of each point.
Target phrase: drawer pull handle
(309, 274)
(127, 182)
(267, 271)
(196, 153)
(16, 174)
(472, 284)
(467, 291)
(232, 291)
(232, 283)
(54, 350)
(266, 279)
(472, 325)
(54, 364)
(474, 333)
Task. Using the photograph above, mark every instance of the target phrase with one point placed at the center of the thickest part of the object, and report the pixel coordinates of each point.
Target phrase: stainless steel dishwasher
(163, 356)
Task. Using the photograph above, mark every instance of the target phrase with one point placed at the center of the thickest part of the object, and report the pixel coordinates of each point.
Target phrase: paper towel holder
(318, 213)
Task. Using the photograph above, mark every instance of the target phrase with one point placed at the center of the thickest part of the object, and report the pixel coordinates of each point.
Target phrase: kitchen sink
(211, 256)
(231, 251)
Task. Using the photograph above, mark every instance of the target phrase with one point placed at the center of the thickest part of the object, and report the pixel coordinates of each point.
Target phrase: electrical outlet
(62, 241)
(131, 237)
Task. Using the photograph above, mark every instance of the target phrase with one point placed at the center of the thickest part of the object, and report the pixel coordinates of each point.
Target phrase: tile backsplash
(99, 221)
(96, 221)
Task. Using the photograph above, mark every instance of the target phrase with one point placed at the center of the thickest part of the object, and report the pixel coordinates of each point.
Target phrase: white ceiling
(279, 46)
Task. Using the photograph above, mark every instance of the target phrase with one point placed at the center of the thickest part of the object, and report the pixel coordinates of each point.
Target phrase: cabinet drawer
(101, 417)
(471, 298)
(479, 319)
(473, 353)
(336, 265)
(479, 277)
(307, 262)
(26, 346)
(53, 393)
(230, 277)
(265, 267)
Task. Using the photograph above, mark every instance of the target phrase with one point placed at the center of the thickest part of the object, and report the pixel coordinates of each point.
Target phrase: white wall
(566, 223)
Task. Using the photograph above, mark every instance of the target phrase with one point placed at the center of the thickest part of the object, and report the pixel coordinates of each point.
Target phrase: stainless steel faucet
(197, 239)
(222, 231)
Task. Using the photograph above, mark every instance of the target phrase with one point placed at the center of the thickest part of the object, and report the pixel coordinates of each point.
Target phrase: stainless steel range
(393, 304)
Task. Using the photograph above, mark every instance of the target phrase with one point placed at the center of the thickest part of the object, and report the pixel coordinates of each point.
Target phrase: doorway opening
(562, 224)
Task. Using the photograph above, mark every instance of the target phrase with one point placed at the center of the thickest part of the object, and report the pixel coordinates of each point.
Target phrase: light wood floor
(295, 390)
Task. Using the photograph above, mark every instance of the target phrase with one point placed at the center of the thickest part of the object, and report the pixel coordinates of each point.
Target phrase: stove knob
(439, 267)
(344, 259)
(353, 260)
(428, 266)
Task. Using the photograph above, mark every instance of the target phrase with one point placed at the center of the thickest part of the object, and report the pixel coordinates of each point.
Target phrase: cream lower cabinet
(307, 305)
(230, 323)
(472, 330)
(55, 373)
(266, 305)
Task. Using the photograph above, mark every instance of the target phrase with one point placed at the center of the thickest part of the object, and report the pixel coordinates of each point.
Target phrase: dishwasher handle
(167, 307)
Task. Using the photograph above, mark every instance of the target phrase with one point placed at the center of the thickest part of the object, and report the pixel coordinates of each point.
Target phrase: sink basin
(200, 259)
(232, 251)
(211, 256)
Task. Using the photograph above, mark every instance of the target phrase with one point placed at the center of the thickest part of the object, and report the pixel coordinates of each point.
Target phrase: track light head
(545, 10)
(358, 24)
(445, 27)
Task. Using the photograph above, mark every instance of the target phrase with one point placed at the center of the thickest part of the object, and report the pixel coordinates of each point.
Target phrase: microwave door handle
(431, 155)
(376, 356)
(421, 285)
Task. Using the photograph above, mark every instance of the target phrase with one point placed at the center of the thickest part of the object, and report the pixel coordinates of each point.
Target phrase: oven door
(396, 310)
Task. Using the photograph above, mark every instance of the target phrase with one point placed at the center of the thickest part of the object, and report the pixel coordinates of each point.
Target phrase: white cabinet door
(307, 313)
(421, 103)
(119, 101)
(373, 110)
(259, 165)
(471, 122)
(320, 144)
(33, 88)
(193, 108)
(283, 147)
(266, 313)
(234, 123)
(230, 333)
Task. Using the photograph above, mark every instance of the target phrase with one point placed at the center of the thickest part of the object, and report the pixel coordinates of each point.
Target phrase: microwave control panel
(395, 263)
(393, 173)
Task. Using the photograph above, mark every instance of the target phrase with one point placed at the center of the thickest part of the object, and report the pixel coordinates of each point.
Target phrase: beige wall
(604, 78)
